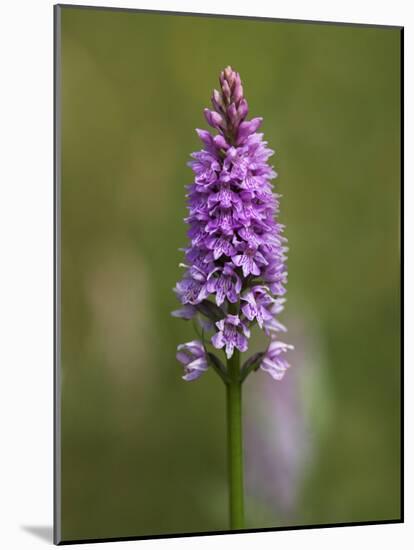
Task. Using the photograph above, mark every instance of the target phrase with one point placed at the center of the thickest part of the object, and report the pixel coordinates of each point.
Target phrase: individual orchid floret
(257, 304)
(186, 312)
(274, 362)
(193, 356)
(225, 283)
(232, 333)
(272, 324)
(250, 259)
(190, 291)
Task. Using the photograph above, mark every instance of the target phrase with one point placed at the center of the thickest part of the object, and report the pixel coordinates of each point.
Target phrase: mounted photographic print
(227, 274)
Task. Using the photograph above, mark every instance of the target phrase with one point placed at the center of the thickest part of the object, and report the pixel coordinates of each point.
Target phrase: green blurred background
(142, 451)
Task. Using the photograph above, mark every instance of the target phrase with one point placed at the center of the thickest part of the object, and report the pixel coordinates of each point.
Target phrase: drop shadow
(44, 532)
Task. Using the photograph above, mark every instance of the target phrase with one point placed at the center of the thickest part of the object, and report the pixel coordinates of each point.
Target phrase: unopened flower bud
(232, 113)
(226, 90)
(229, 75)
(220, 142)
(247, 128)
(242, 109)
(237, 90)
(214, 119)
(217, 101)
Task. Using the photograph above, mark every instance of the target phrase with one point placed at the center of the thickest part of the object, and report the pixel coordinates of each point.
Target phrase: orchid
(235, 264)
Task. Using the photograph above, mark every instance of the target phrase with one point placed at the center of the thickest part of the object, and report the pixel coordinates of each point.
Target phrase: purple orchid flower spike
(237, 251)
(235, 263)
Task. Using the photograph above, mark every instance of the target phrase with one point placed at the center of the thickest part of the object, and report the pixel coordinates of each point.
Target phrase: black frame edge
(238, 531)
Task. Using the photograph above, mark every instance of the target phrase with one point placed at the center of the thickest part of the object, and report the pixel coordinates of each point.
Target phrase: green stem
(235, 441)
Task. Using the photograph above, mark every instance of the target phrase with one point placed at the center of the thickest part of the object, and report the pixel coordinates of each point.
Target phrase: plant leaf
(252, 363)
(217, 366)
(210, 310)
